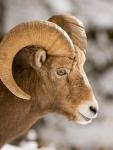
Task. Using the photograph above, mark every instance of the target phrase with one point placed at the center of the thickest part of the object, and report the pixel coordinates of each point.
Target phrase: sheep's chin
(83, 122)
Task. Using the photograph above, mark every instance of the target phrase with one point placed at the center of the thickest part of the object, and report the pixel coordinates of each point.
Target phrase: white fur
(84, 110)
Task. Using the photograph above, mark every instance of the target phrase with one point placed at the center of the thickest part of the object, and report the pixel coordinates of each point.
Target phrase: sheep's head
(59, 64)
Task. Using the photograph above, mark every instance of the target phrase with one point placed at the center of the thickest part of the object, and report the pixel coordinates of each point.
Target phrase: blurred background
(55, 132)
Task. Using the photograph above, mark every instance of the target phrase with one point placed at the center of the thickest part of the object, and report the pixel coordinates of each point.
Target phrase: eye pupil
(61, 72)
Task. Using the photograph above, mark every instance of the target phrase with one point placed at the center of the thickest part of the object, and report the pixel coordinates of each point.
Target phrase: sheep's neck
(18, 115)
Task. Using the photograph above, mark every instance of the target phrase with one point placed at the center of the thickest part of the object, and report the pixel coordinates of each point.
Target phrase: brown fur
(49, 93)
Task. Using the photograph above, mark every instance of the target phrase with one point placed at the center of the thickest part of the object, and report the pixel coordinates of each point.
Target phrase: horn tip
(27, 97)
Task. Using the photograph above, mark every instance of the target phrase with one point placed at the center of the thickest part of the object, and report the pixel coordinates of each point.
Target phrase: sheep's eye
(62, 72)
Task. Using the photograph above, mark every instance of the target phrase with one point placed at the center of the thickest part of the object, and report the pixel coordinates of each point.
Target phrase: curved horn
(42, 33)
(74, 28)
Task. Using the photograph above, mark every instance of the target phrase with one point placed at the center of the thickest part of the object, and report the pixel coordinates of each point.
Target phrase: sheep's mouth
(84, 117)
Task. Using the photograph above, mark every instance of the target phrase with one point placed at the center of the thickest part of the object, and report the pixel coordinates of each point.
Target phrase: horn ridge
(74, 28)
(40, 33)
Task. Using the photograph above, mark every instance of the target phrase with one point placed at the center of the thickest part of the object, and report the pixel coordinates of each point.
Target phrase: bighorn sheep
(46, 76)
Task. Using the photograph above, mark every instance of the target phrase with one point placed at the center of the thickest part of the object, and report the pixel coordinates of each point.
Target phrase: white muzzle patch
(87, 111)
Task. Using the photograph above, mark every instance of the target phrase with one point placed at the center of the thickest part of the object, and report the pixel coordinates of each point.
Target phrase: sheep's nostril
(93, 109)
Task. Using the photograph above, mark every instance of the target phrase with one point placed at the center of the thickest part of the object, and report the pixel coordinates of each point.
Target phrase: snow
(10, 147)
(27, 147)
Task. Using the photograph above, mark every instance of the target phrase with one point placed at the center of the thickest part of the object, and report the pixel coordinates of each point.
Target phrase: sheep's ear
(40, 58)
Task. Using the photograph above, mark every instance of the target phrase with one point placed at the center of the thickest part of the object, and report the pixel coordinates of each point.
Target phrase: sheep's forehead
(62, 62)
(66, 61)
